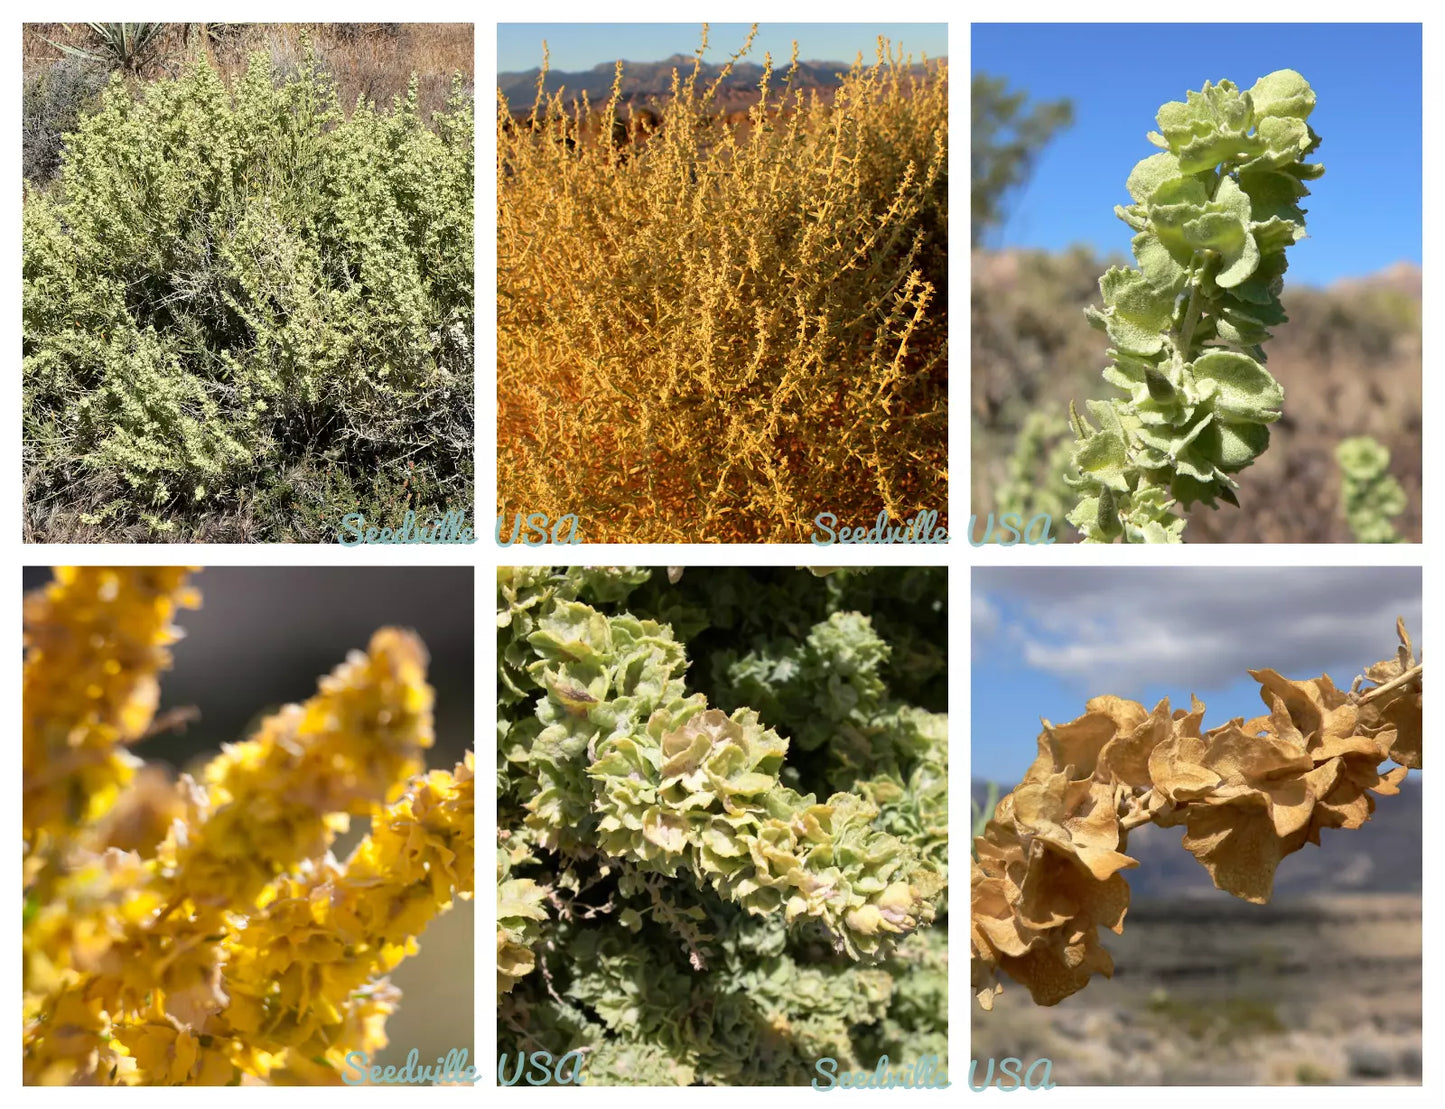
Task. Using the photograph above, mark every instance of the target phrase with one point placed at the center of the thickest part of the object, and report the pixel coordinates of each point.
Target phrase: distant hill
(1349, 360)
(1405, 278)
(1382, 857)
(644, 81)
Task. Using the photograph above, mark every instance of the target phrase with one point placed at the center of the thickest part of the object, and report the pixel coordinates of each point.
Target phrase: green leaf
(1284, 141)
(1241, 444)
(1137, 312)
(1158, 265)
(1174, 204)
(1101, 458)
(1150, 174)
(1239, 388)
(1240, 328)
(1282, 93)
(1272, 195)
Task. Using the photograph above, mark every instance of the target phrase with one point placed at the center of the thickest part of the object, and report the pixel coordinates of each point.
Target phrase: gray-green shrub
(227, 284)
(51, 104)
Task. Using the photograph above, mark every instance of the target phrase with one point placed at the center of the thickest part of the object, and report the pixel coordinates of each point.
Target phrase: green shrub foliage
(1213, 215)
(226, 285)
(720, 881)
(1369, 494)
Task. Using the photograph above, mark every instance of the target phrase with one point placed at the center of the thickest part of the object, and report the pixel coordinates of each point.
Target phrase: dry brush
(715, 331)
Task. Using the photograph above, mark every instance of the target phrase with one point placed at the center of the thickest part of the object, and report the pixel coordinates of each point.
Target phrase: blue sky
(1045, 640)
(577, 46)
(1364, 214)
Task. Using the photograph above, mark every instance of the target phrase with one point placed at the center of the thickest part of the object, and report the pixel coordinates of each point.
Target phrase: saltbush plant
(1213, 215)
(200, 932)
(1036, 479)
(239, 297)
(1369, 494)
(1048, 868)
(721, 328)
(724, 884)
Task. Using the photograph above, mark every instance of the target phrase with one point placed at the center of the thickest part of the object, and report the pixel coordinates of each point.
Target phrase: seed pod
(1159, 387)
(1108, 513)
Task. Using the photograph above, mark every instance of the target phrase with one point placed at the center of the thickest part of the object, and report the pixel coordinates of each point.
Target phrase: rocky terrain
(1299, 992)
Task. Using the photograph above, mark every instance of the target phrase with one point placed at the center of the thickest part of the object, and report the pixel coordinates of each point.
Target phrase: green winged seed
(1243, 390)
(1282, 93)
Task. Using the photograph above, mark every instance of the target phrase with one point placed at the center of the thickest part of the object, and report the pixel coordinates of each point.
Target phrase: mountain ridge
(641, 80)
(1385, 856)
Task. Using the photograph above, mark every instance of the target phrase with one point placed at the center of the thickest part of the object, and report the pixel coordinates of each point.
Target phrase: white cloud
(1119, 629)
(985, 618)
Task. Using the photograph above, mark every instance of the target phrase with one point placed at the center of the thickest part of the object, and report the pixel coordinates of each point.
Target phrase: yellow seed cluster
(273, 801)
(201, 933)
(299, 968)
(1048, 875)
(95, 640)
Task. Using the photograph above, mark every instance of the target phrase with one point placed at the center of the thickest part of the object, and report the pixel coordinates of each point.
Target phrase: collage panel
(248, 826)
(1197, 293)
(722, 280)
(1274, 735)
(247, 281)
(722, 826)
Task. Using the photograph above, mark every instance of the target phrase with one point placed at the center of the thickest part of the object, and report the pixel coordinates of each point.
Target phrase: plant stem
(1413, 674)
(1184, 337)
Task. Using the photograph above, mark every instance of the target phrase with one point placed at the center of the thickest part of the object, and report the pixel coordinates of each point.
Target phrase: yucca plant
(124, 46)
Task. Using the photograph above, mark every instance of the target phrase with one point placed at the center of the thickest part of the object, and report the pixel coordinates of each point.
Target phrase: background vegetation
(248, 310)
(1349, 360)
(716, 326)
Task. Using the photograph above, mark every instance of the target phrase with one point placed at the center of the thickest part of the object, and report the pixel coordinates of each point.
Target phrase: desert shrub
(52, 103)
(721, 881)
(1369, 494)
(1038, 468)
(717, 332)
(225, 283)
